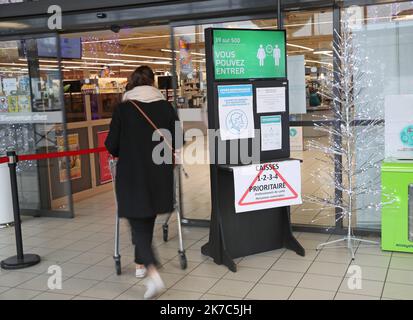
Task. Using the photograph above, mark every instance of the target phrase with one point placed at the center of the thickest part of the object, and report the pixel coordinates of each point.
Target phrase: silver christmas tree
(356, 139)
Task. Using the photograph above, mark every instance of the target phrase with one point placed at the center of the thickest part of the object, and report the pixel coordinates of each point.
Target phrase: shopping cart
(165, 227)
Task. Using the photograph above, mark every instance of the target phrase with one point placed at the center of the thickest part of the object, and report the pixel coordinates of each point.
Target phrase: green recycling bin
(397, 210)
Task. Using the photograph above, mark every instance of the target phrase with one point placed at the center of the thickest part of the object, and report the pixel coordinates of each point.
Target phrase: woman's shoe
(140, 272)
(154, 286)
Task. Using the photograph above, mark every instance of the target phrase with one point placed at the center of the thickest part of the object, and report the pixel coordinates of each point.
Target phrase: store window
(31, 122)
(383, 34)
(310, 66)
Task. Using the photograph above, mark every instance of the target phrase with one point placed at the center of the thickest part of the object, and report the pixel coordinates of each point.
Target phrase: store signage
(267, 185)
(399, 126)
(249, 54)
(31, 117)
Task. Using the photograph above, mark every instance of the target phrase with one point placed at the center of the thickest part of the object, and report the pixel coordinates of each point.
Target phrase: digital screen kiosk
(248, 110)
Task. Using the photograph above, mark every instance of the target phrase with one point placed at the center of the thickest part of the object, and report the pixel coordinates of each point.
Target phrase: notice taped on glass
(267, 185)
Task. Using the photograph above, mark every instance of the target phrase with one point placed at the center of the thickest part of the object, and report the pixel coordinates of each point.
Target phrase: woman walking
(143, 187)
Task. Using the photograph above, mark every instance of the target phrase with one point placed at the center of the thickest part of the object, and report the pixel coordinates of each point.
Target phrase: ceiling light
(323, 51)
(403, 15)
(127, 39)
(132, 61)
(13, 25)
(13, 64)
(298, 46)
(78, 67)
(177, 51)
(138, 56)
(142, 38)
(320, 62)
(169, 50)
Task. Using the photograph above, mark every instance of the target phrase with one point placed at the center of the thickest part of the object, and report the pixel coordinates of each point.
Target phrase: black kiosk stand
(232, 60)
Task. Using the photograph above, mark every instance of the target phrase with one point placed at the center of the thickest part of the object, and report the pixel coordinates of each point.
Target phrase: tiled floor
(83, 248)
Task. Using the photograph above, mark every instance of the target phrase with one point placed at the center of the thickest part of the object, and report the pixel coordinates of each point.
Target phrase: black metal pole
(16, 207)
(20, 260)
(279, 15)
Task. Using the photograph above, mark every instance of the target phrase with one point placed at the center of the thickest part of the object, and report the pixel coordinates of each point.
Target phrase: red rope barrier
(51, 155)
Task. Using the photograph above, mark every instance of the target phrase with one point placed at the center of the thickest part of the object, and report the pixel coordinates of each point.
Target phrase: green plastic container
(397, 217)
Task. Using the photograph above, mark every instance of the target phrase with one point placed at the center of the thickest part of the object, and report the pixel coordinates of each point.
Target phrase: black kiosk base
(234, 235)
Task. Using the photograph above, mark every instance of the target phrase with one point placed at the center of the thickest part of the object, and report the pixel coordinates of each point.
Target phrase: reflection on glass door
(383, 34)
(32, 121)
(310, 69)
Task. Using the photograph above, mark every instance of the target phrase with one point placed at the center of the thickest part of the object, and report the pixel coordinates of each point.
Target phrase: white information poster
(398, 112)
(267, 185)
(271, 99)
(235, 108)
(9, 85)
(271, 135)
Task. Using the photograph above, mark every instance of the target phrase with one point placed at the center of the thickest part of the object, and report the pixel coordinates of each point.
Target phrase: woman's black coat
(143, 188)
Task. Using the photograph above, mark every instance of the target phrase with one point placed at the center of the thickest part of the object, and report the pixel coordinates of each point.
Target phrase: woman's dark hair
(142, 76)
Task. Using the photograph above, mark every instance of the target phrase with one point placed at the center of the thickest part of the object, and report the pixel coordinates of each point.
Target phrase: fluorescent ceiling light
(177, 51)
(327, 52)
(131, 61)
(138, 56)
(126, 39)
(169, 50)
(13, 25)
(322, 51)
(320, 62)
(12, 71)
(79, 67)
(403, 15)
(13, 64)
(298, 46)
(141, 38)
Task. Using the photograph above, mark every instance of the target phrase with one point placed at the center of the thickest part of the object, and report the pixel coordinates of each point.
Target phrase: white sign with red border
(267, 185)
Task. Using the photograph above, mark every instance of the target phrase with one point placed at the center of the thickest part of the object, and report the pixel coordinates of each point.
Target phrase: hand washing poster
(235, 108)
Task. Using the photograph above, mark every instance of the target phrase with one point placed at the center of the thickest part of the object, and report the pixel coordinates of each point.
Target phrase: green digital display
(249, 54)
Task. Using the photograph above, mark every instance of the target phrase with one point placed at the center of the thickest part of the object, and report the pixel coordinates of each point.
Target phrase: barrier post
(20, 260)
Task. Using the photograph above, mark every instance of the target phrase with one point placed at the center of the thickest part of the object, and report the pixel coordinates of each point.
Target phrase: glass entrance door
(190, 99)
(32, 121)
